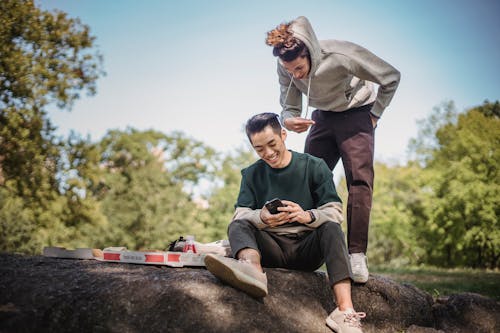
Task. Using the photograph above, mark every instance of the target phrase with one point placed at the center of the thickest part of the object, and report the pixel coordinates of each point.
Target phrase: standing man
(337, 77)
(302, 234)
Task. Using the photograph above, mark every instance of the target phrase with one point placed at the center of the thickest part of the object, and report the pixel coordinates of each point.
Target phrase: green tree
(463, 218)
(46, 59)
(144, 186)
(421, 148)
(224, 193)
(399, 208)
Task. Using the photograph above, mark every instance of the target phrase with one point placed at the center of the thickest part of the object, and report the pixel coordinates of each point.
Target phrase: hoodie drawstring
(288, 90)
(308, 89)
(307, 101)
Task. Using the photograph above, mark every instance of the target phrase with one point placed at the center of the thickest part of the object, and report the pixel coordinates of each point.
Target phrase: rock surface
(64, 295)
(467, 312)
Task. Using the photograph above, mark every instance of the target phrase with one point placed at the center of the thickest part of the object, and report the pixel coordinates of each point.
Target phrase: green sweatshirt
(341, 76)
(307, 181)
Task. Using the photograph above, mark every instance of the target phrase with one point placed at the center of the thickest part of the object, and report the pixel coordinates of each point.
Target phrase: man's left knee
(240, 225)
(331, 228)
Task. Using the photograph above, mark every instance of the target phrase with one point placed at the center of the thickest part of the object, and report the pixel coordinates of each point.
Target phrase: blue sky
(202, 67)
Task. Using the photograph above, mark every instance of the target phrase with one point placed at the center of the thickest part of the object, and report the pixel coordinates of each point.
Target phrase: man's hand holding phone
(272, 205)
(284, 211)
(271, 213)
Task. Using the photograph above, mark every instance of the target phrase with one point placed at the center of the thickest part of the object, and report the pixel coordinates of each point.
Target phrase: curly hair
(285, 45)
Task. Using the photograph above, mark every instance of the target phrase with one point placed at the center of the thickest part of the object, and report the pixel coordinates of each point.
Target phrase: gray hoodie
(341, 76)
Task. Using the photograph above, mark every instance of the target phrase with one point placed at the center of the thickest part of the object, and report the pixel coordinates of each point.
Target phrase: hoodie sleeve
(252, 215)
(367, 66)
(290, 99)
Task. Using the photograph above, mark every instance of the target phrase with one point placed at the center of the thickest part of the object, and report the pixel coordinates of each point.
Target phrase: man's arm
(291, 103)
(331, 211)
(246, 201)
(252, 215)
(367, 66)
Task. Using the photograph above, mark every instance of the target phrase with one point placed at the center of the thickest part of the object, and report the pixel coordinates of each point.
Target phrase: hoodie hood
(302, 30)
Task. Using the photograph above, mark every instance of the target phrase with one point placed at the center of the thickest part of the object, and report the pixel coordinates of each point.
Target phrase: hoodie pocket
(362, 94)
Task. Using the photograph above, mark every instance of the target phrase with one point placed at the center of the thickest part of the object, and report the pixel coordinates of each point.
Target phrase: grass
(443, 282)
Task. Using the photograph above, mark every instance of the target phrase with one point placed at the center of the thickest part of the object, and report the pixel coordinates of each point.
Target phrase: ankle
(254, 264)
(346, 306)
(252, 257)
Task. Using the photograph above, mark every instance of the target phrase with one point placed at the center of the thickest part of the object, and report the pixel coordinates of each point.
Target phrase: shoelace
(244, 261)
(354, 318)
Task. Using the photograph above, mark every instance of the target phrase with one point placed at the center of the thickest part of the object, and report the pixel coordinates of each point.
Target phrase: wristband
(313, 218)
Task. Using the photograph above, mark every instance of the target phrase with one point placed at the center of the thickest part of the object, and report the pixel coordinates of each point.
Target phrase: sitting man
(302, 235)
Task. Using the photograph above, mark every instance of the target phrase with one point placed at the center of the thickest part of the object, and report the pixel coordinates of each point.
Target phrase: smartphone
(272, 205)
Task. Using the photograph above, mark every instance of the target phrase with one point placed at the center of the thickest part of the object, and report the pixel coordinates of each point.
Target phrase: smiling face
(299, 67)
(270, 147)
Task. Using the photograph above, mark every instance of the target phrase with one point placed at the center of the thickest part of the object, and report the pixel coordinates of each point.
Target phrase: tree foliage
(224, 192)
(143, 189)
(443, 208)
(466, 184)
(398, 210)
(45, 58)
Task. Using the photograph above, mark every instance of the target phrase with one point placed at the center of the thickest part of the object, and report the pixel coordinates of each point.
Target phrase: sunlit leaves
(45, 58)
(459, 153)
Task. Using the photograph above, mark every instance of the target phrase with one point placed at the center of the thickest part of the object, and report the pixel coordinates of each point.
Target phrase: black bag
(177, 245)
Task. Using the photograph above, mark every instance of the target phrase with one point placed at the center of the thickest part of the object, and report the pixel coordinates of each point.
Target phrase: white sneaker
(359, 267)
(240, 274)
(348, 321)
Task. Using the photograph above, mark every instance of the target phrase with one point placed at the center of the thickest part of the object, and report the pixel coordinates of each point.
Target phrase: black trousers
(348, 135)
(305, 252)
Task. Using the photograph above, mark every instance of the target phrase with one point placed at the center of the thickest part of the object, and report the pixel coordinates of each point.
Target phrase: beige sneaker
(348, 321)
(240, 274)
(359, 267)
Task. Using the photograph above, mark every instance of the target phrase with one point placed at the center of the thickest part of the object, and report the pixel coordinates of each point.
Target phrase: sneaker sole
(234, 278)
(359, 279)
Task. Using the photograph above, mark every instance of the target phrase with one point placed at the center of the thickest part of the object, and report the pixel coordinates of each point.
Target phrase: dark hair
(260, 121)
(285, 45)
(298, 49)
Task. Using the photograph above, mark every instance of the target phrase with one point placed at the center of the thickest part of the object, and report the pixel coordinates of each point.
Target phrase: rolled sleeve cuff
(252, 215)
